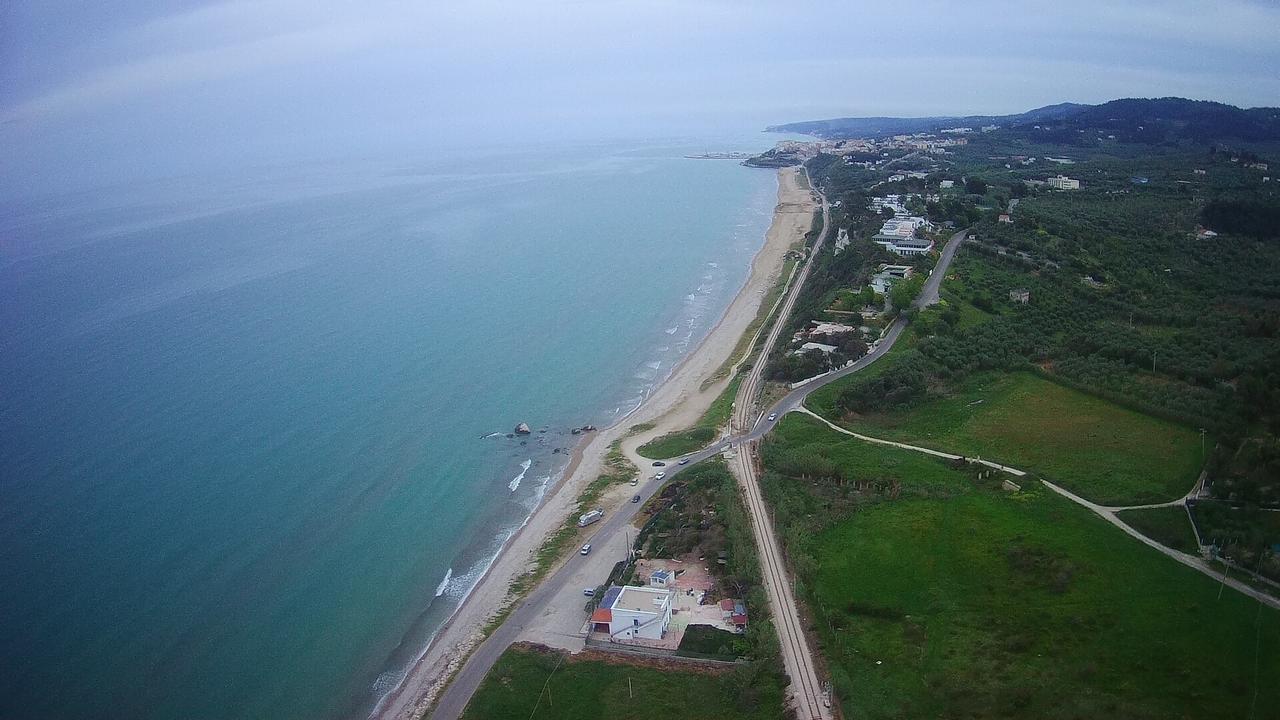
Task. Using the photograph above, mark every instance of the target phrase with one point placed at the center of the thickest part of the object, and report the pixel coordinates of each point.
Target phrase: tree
(975, 186)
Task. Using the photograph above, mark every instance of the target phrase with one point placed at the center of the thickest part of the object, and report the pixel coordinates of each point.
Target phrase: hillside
(1140, 120)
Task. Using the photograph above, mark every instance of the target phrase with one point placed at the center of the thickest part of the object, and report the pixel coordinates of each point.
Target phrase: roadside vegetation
(707, 429)
(936, 592)
(531, 682)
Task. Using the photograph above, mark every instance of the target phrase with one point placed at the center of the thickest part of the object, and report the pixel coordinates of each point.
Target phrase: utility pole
(1153, 362)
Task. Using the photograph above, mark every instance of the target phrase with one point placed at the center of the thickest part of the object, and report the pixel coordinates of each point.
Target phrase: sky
(135, 89)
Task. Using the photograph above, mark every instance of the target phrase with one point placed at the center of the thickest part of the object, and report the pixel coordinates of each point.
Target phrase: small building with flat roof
(628, 613)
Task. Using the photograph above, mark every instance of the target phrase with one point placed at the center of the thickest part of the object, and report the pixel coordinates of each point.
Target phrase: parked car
(635, 498)
(586, 549)
(773, 416)
(659, 476)
(684, 461)
(659, 463)
(589, 592)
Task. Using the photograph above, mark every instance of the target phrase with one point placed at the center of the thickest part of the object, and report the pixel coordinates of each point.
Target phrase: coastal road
(558, 601)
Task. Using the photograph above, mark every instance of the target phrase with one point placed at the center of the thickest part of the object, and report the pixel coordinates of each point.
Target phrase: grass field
(1169, 526)
(564, 687)
(1100, 450)
(952, 599)
(700, 435)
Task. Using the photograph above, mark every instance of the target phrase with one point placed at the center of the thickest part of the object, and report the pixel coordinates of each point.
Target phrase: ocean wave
(444, 584)
(524, 468)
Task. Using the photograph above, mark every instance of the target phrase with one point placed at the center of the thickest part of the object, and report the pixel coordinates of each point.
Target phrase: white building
(906, 246)
(628, 613)
(1062, 182)
(887, 275)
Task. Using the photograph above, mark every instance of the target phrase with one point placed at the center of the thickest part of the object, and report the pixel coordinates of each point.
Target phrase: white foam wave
(524, 468)
(444, 584)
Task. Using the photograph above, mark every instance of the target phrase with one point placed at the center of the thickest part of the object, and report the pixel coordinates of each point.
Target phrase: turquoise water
(242, 443)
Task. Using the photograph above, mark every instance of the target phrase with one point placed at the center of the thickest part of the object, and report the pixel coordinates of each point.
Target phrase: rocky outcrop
(523, 429)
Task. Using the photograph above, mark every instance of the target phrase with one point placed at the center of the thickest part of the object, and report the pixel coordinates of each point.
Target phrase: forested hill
(1141, 120)
(885, 126)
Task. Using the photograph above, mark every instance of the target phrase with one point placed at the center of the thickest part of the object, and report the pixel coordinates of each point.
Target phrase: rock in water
(523, 429)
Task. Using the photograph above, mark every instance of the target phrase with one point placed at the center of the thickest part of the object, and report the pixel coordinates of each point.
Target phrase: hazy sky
(133, 88)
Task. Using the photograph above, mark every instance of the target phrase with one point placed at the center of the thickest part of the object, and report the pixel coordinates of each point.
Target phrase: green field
(700, 435)
(1100, 450)
(937, 595)
(524, 679)
(1169, 526)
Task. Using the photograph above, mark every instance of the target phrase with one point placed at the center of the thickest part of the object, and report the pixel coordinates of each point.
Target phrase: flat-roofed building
(633, 613)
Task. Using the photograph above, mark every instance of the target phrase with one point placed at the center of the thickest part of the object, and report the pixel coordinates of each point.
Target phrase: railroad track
(807, 694)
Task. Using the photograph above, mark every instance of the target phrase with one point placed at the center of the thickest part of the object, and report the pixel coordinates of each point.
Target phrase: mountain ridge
(1149, 120)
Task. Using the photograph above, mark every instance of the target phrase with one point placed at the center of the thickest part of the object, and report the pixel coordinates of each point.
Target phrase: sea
(255, 438)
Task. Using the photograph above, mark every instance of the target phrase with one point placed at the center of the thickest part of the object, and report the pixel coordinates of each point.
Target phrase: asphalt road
(560, 594)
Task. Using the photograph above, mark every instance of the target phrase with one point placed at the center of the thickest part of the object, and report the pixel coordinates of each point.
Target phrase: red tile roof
(602, 615)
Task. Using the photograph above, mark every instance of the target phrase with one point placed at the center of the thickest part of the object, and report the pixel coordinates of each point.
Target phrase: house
(824, 348)
(1205, 234)
(887, 275)
(946, 184)
(1004, 218)
(661, 578)
(1199, 171)
(629, 613)
(829, 328)
(1062, 182)
(1021, 295)
(735, 611)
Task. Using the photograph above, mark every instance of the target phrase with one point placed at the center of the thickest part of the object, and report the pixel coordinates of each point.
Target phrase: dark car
(635, 498)
(659, 463)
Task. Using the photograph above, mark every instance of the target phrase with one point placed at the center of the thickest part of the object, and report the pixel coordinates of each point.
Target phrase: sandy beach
(675, 405)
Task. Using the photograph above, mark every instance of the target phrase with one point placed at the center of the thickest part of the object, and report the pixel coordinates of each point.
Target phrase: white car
(586, 549)
(773, 416)
(659, 476)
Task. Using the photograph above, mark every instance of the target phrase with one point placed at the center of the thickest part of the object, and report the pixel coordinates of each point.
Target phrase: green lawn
(1027, 606)
(588, 688)
(1100, 450)
(1169, 526)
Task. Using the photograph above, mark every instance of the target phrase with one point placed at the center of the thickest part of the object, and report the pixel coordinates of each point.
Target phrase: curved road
(453, 701)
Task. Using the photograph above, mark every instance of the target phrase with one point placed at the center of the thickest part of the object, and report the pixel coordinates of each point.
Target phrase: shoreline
(674, 404)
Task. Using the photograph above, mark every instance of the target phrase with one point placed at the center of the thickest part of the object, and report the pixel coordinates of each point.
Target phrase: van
(589, 592)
